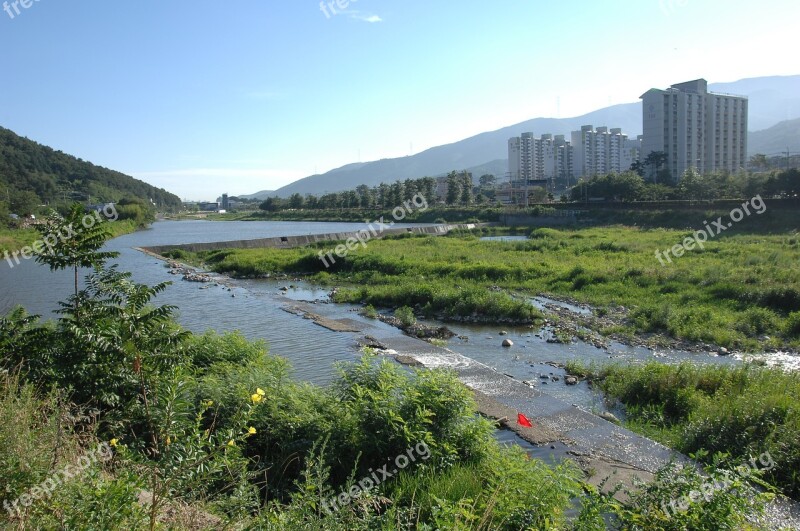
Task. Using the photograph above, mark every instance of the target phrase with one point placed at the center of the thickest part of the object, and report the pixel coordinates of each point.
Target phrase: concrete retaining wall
(287, 242)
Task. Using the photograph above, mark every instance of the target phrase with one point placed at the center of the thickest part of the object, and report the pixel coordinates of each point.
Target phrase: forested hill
(28, 168)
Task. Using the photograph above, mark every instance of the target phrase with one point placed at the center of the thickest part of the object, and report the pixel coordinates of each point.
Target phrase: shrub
(792, 326)
(369, 312)
(205, 350)
(406, 316)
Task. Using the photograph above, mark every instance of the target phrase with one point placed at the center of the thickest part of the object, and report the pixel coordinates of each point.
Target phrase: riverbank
(15, 239)
(432, 214)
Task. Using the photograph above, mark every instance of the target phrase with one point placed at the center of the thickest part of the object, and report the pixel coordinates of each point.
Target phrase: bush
(205, 350)
(406, 316)
(369, 312)
(792, 327)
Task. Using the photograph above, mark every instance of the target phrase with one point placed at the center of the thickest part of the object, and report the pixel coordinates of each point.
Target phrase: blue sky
(203, 97)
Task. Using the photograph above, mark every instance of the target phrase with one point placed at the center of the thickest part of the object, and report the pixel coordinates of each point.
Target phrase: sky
(202, 97)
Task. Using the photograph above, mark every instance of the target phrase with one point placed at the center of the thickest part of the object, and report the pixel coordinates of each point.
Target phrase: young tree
(296, 201)
(396, 192)
(487, 180)
(453, 188)
(73, 241)
(428, 189)
(365, 196)
(656, 159)
(638, 168)
(24, 203)
(383, 195)
(410, 189)
(271, 204)
(466, 188)
(759, 161)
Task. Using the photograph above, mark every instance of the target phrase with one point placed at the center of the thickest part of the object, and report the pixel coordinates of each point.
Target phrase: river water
(255, 308)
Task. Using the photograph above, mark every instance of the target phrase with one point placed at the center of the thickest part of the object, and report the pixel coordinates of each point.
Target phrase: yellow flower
(256, 398)
(260, 392)
(209, 403)
(251, 431)
(231, 443)
(113, 442)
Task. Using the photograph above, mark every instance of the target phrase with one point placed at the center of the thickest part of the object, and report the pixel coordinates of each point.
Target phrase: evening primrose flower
(113, 442)
(231, 443)
(260, 392)
(256, 398)
(251, 431)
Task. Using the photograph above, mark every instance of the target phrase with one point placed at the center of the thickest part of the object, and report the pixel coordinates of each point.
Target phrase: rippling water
(255, 309)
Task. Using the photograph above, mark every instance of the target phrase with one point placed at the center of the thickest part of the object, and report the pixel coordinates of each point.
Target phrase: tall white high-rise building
(538, 159)
(602, 151)
(694, 128)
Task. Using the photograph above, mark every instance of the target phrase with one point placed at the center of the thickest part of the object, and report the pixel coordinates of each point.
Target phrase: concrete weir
(611, 452)
(370, 232)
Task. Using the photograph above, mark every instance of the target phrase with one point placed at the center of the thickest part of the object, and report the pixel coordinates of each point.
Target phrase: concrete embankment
(370, 232)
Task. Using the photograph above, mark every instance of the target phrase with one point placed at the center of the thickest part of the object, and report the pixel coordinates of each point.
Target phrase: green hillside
(32, 174)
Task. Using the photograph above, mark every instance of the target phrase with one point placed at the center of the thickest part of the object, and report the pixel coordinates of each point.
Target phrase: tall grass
(741, 411)
(40, 436)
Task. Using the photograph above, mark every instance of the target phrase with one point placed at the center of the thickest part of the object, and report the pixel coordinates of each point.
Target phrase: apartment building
(548, 158)
(695, 128)
(602, 151)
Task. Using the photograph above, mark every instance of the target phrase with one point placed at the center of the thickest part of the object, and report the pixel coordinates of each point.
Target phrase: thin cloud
(366, 18)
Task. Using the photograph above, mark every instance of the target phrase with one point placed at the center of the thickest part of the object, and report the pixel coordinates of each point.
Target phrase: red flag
(522, 420)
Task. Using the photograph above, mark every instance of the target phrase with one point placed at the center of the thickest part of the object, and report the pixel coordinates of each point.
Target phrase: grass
(742, 291)
(742, 411)
(15, 239)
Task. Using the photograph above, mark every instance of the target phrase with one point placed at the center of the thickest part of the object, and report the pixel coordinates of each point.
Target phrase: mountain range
(774, 106)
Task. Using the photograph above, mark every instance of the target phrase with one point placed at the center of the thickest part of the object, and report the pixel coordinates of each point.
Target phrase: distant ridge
(27, 166)
(263, 194)
(777, 139)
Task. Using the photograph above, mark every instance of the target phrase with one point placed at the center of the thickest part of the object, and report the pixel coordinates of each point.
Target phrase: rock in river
(508, 343)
